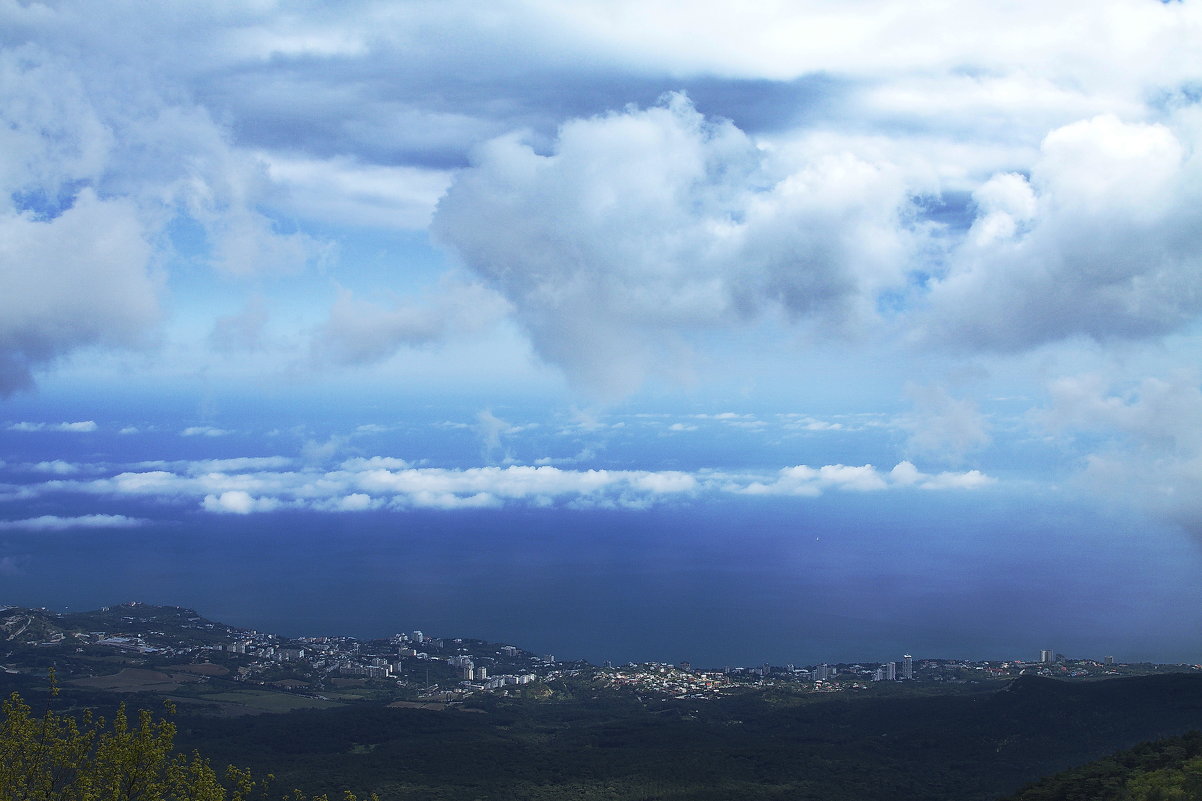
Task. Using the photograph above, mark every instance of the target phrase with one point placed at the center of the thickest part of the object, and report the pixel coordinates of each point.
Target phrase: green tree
(1181, 781)
(54, 757)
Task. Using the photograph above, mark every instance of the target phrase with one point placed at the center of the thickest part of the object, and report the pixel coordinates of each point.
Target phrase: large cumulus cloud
(83, 278)
(1103, 240)
(76, 268)
(644, 227)
(98, 162)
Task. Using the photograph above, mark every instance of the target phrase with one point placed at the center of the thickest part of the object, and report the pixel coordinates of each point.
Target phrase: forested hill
(761, 745)
(579, 734)
(1162, 770)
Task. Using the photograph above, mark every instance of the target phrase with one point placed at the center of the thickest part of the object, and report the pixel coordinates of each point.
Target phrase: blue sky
(393, 259)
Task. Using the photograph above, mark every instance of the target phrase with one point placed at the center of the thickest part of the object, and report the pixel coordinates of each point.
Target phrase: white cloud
(1103, 241)
(237, 502)
(57, 467)
(666, 482)
(239, 464)
(53, 132)
(243, 330)
(943, 427)
(803, 422)
(585, 454)
(536, 484)
(783, 41)
(356, 502)
(316, 452)
(103, 153)
(1142, 440)
(359, 331)
(1162, 412)
(251, 485)
(82, 278)
(56, 523)
(343, 191)
(905, 474)
(360, 463)
(81, 426)
(141, 141)
(246, 242)
(203, 431)
(810, 481)
(490, 429)
(626, 239)
(644, 227)
(972, 479)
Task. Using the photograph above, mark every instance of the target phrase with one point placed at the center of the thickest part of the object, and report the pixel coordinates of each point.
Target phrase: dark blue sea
(736, 582)
(713, 579)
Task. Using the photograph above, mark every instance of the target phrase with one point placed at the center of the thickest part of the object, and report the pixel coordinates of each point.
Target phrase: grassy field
(135, 680)
(267, 701)
(202, 669)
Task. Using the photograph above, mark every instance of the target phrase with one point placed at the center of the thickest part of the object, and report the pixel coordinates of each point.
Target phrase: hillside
(162, 626)
(1161, 770)
(333, 718)
(971, 746)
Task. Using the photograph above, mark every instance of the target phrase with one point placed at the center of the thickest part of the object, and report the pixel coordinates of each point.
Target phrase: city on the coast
(138, 646)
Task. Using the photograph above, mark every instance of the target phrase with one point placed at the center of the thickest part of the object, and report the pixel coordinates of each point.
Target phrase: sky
(853, 327)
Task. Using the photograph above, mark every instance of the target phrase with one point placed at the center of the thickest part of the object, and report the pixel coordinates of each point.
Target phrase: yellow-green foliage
(1168, 784)
(53, 757)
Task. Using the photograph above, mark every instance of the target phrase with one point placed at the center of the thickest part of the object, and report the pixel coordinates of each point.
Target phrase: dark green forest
(1163, 770)
(767, 744)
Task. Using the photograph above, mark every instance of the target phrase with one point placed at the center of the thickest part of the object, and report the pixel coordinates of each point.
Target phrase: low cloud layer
(57, 523)
(266, 484)
(78, 427)
(810, 481)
